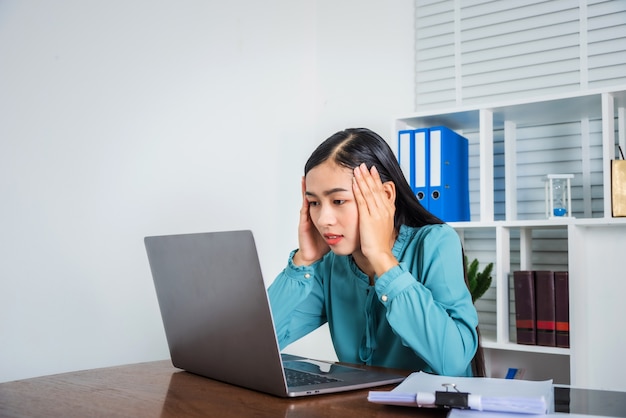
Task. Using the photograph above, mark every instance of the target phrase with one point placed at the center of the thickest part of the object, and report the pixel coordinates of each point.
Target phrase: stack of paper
(485, 394)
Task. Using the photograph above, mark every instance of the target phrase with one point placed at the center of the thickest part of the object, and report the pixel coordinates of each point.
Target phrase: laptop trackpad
(318, 367)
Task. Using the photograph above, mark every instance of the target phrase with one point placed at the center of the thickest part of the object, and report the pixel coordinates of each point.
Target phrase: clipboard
(473, 393)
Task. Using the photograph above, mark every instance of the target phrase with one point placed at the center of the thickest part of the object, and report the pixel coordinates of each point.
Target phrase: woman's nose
(326, 215)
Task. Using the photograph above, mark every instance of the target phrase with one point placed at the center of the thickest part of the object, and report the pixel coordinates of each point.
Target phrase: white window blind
(606, 42)
(475, 51)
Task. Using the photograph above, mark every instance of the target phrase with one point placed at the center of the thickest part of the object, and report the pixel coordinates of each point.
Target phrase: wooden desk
(157, 389)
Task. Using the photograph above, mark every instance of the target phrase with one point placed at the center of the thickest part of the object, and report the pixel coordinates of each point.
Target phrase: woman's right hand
(312, 245)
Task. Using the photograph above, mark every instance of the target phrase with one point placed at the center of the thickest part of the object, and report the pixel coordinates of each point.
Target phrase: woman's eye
(311, 203)
(339, 202)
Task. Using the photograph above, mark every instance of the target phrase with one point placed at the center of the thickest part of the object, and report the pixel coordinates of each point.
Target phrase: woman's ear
(389, 188)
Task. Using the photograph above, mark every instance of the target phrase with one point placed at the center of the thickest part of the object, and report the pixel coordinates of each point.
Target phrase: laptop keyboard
(298, 378)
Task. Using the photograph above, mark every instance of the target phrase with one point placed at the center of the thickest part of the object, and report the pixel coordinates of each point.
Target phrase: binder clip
(449, 399)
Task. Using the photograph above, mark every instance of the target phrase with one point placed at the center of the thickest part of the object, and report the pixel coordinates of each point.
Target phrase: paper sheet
(508, 391)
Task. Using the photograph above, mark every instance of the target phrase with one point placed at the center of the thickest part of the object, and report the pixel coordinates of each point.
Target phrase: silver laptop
(218, 322)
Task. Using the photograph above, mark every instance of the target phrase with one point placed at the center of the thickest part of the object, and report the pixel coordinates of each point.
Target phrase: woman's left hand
(376, 204)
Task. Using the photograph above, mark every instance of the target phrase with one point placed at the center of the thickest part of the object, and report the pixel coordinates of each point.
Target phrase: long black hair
(352, 147)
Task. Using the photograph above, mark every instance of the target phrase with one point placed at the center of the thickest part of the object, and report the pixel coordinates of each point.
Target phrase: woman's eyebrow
(328, 192)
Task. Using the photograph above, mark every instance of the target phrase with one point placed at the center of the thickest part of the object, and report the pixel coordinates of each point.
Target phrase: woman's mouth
(332, 239)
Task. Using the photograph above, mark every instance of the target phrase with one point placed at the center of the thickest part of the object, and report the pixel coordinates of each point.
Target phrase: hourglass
(558, 196)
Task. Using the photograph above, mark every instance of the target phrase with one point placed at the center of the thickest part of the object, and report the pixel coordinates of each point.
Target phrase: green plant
(479, 282)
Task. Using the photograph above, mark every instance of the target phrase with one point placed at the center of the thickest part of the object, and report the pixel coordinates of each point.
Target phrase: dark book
(561, 287)
(545, 304)
(525, 314)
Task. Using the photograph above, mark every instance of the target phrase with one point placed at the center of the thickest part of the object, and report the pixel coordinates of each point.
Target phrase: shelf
(540, 223)
(601, 222)
(512, 146)
(488, 340)
(561, 107)
(492, 345)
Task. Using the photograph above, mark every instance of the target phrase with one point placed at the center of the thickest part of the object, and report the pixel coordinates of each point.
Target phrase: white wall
(125, 119)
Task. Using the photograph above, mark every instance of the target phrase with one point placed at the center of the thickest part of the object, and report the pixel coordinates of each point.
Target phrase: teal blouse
(418, 316)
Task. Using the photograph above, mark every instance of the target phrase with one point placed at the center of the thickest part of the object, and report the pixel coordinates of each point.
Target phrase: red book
(561, 287)
(525, 319)
(545, 298)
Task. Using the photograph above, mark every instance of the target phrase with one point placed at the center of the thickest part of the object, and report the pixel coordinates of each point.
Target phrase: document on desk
(468, 413)
(476, 394)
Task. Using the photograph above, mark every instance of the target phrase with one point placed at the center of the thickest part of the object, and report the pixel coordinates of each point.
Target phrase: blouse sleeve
(297, 302)
(428, 304)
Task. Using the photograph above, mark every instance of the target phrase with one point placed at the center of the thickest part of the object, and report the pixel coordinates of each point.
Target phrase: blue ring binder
(435, 161)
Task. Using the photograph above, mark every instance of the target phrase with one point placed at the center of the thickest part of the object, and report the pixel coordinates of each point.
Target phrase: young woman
(386, 275)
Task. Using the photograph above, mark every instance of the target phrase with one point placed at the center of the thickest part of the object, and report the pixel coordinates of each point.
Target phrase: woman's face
(332, 207)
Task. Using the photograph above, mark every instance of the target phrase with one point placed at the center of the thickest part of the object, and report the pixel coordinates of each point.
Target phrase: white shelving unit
(512, 145)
